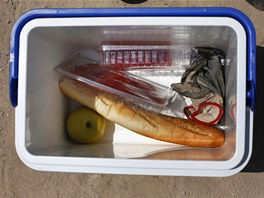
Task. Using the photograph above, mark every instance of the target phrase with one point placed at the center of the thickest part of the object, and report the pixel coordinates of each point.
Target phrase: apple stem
(88, 124)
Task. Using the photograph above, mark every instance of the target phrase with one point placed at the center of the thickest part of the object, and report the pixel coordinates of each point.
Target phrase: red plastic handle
(192, 116)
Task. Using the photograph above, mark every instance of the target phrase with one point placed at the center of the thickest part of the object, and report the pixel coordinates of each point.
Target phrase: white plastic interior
(42, 108)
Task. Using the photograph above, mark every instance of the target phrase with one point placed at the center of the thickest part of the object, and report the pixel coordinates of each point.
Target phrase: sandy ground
(17, 180)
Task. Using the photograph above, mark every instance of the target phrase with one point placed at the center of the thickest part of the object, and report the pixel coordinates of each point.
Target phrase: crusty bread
(141, 120)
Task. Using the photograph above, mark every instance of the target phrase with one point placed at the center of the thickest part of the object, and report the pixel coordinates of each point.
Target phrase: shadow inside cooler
(47, 107)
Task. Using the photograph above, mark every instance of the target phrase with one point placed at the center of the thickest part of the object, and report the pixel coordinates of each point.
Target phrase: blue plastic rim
(123, 12)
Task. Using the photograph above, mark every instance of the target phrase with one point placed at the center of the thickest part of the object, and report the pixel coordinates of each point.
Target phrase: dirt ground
(17, 180)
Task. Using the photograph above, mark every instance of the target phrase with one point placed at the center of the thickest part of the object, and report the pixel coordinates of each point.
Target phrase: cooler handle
(13, 84)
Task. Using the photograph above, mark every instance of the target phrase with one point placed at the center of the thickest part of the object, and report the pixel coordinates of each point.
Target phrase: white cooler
(44, 38)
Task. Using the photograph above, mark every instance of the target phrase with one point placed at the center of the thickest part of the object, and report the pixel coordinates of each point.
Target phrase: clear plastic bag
(149, 88)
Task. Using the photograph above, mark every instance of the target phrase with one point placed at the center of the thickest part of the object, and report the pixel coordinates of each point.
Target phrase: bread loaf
(141, 120)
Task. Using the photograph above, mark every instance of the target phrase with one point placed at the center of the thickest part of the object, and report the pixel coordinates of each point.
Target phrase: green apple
(85, 125)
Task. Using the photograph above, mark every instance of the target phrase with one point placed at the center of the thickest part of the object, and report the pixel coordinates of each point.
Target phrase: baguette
(141, 120)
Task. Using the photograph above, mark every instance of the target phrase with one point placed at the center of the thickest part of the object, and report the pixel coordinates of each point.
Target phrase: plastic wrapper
(147, 86)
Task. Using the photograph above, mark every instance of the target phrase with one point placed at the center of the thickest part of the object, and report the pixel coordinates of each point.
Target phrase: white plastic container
(44, 43)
